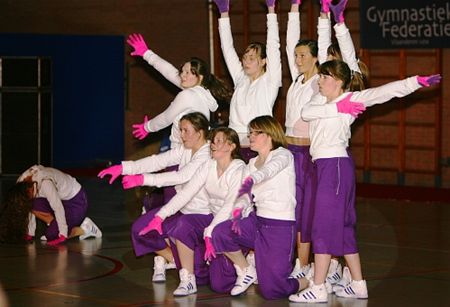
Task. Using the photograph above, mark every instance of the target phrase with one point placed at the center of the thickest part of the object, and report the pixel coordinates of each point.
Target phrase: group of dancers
(253, 200)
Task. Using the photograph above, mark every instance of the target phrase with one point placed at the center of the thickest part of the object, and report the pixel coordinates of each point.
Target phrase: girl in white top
(220, 177)
(303, 64)
(201, 91)
(49, 195)
(194, 153)
(257, 78)
(335, 214)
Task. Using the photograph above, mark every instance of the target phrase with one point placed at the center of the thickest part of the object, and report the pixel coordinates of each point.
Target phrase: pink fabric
(55, 242)
(155, 224)
(139, 131)
(210, 252)
(131, 181)
(138, 43)
(115, 171)
(350, 107)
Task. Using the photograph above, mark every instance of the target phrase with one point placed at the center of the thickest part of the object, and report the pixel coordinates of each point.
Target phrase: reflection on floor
(404, 246)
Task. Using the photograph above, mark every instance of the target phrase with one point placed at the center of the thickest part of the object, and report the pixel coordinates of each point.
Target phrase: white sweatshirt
(330, 130)
(274, 186)
(251, 99)
(194, 99)
(220, 193)
(187, 166)
(55, 186)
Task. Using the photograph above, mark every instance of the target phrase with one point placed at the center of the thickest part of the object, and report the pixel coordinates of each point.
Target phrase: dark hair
(339, 70)
(359, 80)
(231, 136)
(220, 91)
(260, 50)
(14, 216)
(312, 45)
(198, 121)
(271, 127)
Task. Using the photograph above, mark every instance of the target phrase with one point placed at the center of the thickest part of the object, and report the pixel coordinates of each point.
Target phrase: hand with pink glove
(138, 43)
(155, 224)
(429, 80)
(210, 252)
(223, 5)
(338, 10)
(350, 107)
(55, 242)
(270, 3)
(246, 187)
(296, 2)
(131, 181)
(115, 171)
(237, 216)
(325, 6)
(139, 131)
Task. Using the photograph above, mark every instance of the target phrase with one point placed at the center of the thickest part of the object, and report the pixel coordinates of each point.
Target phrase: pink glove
(246, 187)
(28, 238)
(115, 171)
(138, 43)
(270, 3)
(131, 181)
(155, 224)
(223, 5)
(338, 10)
(325, 6)
(350, 107)
(55, 242)
(296, 2)
(429, 80)
(210, 252)
(237, 216)
(139, 131)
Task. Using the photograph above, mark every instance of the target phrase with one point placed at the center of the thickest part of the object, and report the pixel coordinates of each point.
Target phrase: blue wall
(88, 94)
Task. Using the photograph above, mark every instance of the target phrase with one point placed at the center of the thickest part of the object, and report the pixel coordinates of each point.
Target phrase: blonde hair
(271, 127)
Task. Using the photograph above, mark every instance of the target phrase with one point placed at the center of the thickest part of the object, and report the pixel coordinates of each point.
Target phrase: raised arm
(292, 37)
(324, 31)
(273, 65)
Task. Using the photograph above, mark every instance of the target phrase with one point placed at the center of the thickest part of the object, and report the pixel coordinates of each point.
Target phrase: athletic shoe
(346, 279)
(334, 272)
(251, 260)
(245, 279)
(171, 265)
(299, 271)
(355, 289)
(90, 229)
(187, 284)
(159, 269)
(43, 238)
(312, 294)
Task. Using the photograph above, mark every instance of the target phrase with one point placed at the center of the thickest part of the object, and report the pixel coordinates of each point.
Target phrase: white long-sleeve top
(330, 130)
(344, 40)
(220, 192)
(251, 98)
(55, 186)
(188, 164)
(299, 93)
(274, 186)
(194, 99)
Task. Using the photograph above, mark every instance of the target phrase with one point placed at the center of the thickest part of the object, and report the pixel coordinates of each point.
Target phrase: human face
(190, 137)
(304, 59)
(188, 79)
(259, 140)
(221, 147)
(253, 64)
(329, 86)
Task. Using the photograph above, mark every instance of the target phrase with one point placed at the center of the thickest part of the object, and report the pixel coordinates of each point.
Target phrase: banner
(405, 24)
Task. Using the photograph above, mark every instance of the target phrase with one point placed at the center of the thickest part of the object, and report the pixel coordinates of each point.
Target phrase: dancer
(51, 196)
(256, 79)
(335, 214)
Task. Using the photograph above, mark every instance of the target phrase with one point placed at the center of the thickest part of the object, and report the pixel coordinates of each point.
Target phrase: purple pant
(159, 198)
(305, 186)
(75, 210)
(151, 241)
(273, 243)
(335, 214)
(189, 230)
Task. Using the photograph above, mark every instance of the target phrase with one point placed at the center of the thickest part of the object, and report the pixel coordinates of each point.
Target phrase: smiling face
(190, 137)
(221, 148)
(188, 78)
(304, 60)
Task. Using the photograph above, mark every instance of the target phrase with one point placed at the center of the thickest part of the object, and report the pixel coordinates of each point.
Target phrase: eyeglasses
(254, 133)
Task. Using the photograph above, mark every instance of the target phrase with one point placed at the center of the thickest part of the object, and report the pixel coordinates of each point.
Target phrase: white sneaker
(251, 260)
(90, 229)
(299, 271)
(345, 280)
(245, 279)
(187, 284)
(355, 289)
(159, 269)
(334, 272)
(312, 294)
(43, 238)
(171, 265)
